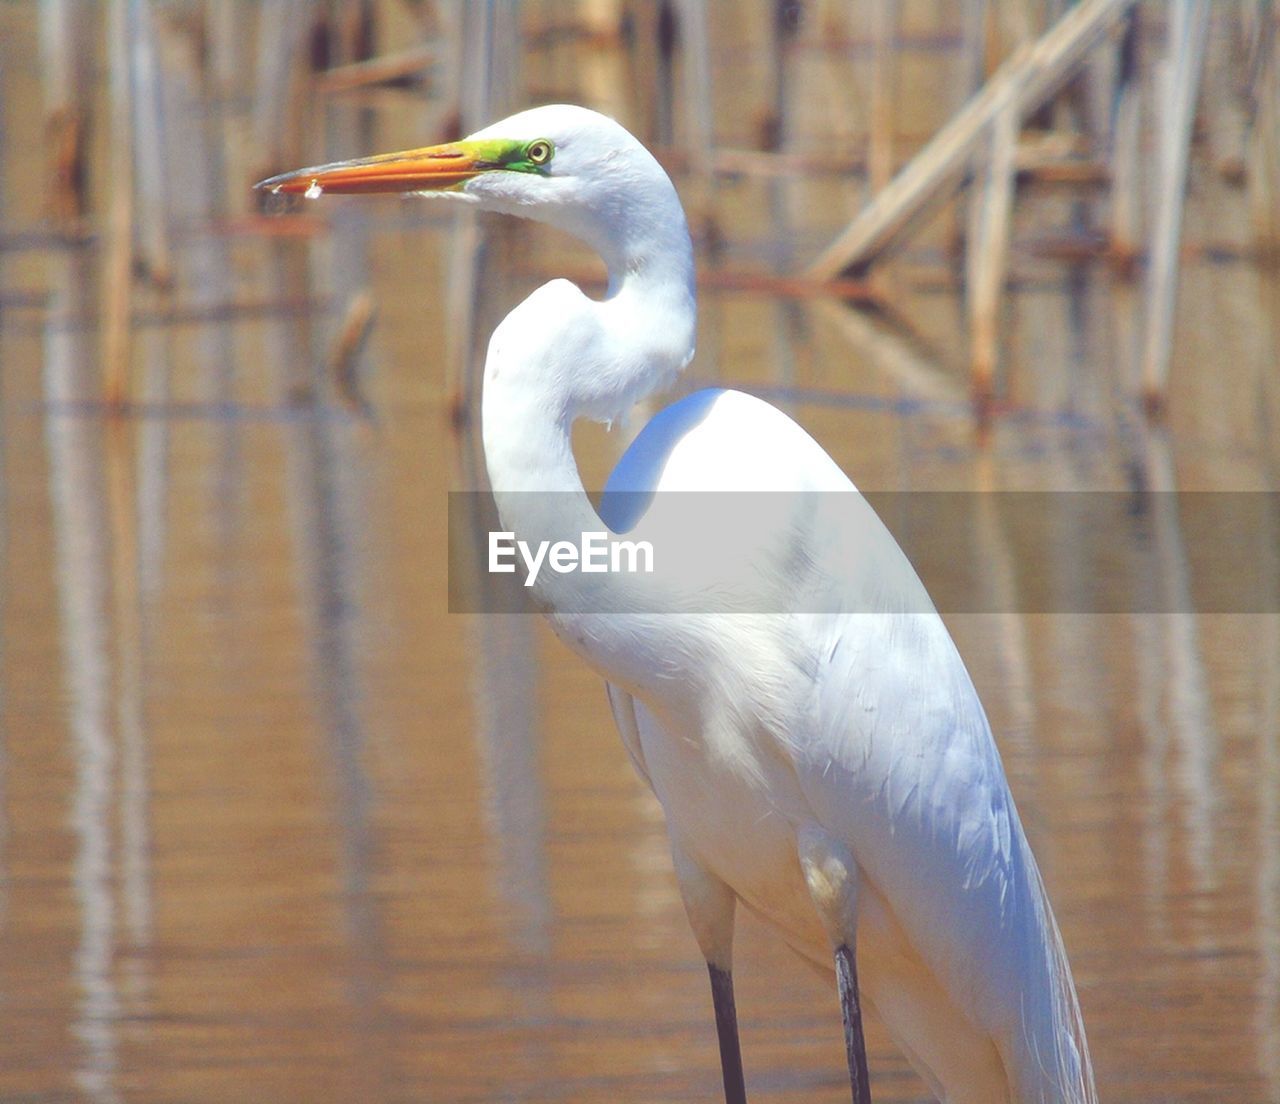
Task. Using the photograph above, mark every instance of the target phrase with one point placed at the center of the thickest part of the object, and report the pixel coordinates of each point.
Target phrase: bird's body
(862, 720)
(795, 703)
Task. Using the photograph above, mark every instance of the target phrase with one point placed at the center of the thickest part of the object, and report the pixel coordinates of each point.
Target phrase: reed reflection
(505, 695)
(83, 555)
(327, 493)
(1266, 882)
(1173, 686)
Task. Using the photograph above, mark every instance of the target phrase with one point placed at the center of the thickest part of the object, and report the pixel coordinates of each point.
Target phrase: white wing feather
(889, 745)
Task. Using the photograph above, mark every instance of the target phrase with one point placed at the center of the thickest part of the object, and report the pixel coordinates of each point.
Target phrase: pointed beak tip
(275, 185)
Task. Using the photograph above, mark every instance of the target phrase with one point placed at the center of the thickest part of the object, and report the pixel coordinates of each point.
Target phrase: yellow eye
(540, 151)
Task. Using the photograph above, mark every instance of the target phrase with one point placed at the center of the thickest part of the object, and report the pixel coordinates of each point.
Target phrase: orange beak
(433, 169)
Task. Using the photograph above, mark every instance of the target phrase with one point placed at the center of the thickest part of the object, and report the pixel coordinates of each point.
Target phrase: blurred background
(275, 826)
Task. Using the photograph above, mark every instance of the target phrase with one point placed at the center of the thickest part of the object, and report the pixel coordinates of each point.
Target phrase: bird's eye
(540, 151)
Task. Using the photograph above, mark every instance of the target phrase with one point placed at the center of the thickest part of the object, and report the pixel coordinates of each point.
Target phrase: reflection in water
(326, 501)
(327, 497)
(505, 672)
(504, 684)
(5, 544)
(1173, 684)
(310, 836)
(129, 517)
(507, 732)
(1267, 877)
(83, 556)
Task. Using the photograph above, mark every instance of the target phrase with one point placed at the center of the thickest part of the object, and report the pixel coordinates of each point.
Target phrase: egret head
(564, 165)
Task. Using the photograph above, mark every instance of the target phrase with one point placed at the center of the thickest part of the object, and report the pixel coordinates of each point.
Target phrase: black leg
(735, 1090)
(855, 1048)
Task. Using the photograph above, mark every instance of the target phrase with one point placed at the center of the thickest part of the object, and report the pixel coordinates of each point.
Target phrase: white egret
(828, 765)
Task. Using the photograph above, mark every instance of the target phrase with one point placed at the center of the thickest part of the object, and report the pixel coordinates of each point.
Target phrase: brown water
(275, 826)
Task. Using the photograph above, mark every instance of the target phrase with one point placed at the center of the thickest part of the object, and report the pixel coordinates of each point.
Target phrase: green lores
(502, 153)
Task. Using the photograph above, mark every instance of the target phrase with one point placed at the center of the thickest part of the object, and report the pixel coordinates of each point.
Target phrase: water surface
(275, 826)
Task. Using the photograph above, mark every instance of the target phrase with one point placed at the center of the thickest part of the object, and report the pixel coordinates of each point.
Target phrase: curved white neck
(560, 355)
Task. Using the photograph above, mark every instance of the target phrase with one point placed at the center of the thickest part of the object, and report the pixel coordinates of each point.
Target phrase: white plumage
(867, 724)
(824, 758)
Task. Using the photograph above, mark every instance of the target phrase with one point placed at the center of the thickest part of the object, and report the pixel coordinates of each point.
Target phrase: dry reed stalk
(1262, 144)
(696, 62)
(884, 25)
(488, 87)
(1188, 31)
(991, 214)
(1126, 132)
(117, 268)
(1036, 70)
(344, 353)
(387, 69)
(282, 26)
(149, 147)
(62, 78)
